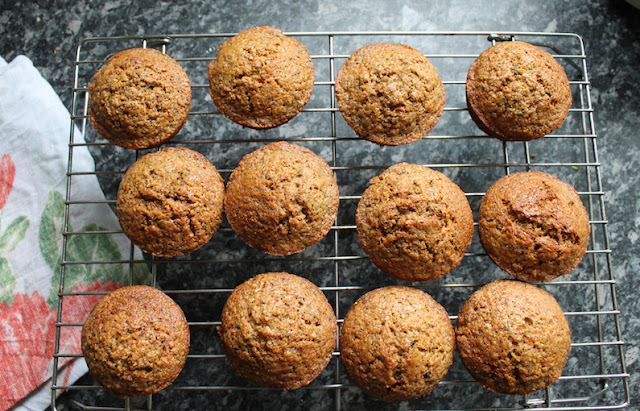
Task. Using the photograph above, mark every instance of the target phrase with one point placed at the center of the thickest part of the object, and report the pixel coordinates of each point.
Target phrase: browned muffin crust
(282, 198)
(534, 226)
(396, 343)
(278, 330)
(414, 223)
(135, 341)
(513, 337)
(170, 202)
(139, 99)
(516, 91)
(390, 93)
(261, 78)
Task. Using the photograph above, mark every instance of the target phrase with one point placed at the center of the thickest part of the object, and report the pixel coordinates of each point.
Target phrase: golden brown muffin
(139, 99)
(135, 341)
(390, 93)
(261, 78)
(513, 337)
(282, 198)
(396, 343)
(170, 202)
(518, 92)
(414, 223)
(534, 226)
(278, 330)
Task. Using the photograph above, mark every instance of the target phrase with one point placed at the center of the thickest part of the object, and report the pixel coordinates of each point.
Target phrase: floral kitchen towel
(34, 151)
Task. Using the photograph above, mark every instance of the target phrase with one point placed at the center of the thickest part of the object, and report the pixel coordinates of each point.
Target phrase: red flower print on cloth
(29, 327)
(7, 174)
(26, 348)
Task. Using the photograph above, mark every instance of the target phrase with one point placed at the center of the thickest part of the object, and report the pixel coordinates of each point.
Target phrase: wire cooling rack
(595, 376)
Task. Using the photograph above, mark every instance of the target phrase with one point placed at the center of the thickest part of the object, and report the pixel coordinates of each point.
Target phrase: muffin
(282, 198)
(517, 92)
(513, 337)
(389, 94)
(170, 202)
(396, 343)
(261, 78)
(135, 341)
(534, 226)
(278, 330)
(414, 223)
(139, 99)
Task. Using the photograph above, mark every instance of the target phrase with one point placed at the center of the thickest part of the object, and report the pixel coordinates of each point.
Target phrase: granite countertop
(48, 31)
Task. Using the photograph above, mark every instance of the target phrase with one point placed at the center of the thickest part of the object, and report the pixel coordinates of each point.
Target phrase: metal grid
(595, 376)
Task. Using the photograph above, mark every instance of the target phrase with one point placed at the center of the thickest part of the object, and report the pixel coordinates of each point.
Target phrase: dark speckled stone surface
(48, 31)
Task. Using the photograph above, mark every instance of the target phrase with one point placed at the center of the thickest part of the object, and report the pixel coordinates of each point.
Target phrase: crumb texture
(396, 343)
(390, 93)
(135, 341)
(261, 78)
(513, 337)
(278, 330)
(534, 226)
(282, 198)
(414, 223)
(139, 99)
(170, 202)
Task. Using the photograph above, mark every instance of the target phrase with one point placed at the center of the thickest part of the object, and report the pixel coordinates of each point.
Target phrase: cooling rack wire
(595, 376)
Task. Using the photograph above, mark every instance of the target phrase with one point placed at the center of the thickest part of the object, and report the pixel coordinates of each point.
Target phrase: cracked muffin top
(278, 330)
(261, 78)
(414, 223)
(170, 202)
(139, 99)
(135, 341)
(282, 198)
(390, 94)
(517, 91)
(513, 337)
(396, 343)
(534, 226)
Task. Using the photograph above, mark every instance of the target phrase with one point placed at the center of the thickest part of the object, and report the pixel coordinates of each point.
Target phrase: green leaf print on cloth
(7, 282)
(9, 240)
(13, 235)
(87, 245)
(50, 234)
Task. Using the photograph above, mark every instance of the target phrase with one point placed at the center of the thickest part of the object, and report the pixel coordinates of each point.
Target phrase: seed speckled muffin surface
(534, 226)
(261, 78)
(278, 330)
(414, 223)
(513, 337)
(390, 93)
(135, 341)
(170, 202)
(396, 343)
(139, 99)
(282, 198)
(517, 91)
